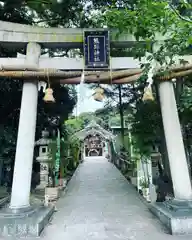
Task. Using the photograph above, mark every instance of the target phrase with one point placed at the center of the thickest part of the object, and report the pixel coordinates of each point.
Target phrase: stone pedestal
(176, 216)
(29, 223)
(52, 193)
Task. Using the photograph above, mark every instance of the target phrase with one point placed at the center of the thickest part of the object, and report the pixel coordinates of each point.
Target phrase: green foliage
(70, 147)
(9, 109)
(186, 101)
(147, 21)
(52, 153)
(64, 155)
(18, 11)
(185, 112)
(146, 127)
(144, 183)
(76, 124)
(69, 154)
(47, 113)
(52, 158)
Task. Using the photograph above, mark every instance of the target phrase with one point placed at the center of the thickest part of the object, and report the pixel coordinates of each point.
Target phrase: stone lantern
(43, 159)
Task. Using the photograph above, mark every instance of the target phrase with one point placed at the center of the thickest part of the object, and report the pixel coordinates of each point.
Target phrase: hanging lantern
(99, 95)
(48, 98)
(148, 95)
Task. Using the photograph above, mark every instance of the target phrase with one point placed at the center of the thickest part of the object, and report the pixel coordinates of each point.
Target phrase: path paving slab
(100, 204)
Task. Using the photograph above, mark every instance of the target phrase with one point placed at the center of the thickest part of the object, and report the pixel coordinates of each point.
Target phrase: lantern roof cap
(45, 140)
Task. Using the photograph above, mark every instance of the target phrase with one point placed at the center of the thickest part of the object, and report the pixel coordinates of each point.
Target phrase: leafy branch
(179, 15)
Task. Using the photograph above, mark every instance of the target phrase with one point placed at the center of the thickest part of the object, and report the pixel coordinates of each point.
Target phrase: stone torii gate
(33, 39)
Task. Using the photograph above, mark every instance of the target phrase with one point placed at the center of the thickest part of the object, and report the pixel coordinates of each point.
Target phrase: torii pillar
(176, 214)
(20, 196)
(174, 141)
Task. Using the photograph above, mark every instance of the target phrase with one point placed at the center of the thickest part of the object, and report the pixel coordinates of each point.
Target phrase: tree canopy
(150, 20)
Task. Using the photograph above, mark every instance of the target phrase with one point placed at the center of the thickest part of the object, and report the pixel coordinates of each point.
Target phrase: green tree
(11, 90)
(147, 20)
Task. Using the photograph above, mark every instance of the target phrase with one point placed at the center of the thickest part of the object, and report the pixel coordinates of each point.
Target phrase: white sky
(86, 102)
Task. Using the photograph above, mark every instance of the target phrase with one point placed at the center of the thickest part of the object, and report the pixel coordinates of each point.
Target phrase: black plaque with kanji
(96, 49)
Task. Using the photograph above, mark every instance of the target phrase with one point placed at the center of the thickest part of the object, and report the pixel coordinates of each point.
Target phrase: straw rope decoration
(148, 94)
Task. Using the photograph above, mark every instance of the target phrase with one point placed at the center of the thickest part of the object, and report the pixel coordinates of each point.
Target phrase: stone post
(26, 135)
(109, 150)
(174, 141)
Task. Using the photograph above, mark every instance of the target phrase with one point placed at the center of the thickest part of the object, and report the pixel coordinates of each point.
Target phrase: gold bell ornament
(48, 98)
(148, 95)
(99, 95)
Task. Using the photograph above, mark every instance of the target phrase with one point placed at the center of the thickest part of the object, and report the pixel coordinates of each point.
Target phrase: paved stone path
(99, 205)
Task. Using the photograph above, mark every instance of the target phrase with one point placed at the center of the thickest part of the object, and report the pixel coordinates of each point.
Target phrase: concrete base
(26, 224)
(177, 217)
